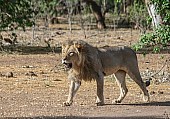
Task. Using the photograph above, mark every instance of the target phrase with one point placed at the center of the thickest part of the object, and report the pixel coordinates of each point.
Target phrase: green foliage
(160, 37)
(22, 13)
(46, 6)
(138, 15)
(15, 14)
(163, 8)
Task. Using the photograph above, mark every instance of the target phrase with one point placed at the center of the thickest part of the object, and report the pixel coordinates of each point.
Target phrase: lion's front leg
(100, 84)
(74, 86)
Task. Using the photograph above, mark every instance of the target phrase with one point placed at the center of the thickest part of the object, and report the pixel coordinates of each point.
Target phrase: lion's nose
(63, 61)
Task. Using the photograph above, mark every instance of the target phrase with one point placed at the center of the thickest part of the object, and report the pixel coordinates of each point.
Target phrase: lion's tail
(148, 82)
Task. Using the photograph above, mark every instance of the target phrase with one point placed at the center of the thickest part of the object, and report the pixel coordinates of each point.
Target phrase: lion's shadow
(165, 103)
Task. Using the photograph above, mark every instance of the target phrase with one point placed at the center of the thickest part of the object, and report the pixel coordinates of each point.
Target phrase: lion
(88, 63)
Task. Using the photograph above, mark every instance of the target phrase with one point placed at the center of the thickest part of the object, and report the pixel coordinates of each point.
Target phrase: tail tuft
(147, 82)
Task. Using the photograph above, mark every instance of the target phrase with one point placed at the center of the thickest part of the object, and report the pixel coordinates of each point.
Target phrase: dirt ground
(38, 89)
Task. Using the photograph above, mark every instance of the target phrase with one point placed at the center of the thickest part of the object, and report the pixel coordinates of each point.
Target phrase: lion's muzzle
(66, 63)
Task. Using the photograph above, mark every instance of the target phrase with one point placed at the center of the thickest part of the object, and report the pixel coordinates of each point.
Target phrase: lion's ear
(80, 48)
(79, 45)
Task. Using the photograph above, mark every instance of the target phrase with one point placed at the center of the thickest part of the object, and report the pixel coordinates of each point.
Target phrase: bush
(159, 39)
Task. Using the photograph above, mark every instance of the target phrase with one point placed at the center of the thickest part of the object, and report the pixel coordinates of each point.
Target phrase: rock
(152, 92)
(1, 75)
(31, 73)
(27, 66)
(157, 82)
(42, 72)
(160, 92)
(9, 75)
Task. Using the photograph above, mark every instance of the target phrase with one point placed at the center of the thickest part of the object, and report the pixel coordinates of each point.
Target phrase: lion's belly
(112, 65)
(110, 71)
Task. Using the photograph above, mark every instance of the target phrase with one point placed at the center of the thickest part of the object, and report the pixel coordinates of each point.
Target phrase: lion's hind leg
(135, 75)
(120, 78)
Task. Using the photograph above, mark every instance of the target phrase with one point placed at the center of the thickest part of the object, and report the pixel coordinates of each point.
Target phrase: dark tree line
(21, 13)
(16, 14)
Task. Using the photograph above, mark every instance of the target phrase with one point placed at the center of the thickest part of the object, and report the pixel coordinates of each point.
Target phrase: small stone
(9, 74)
(81, 104)
(27, 66)
(160, 92)
(152, 92)
(156, 82)
(42, 72)
(118, 37)
(31, 73)
(1, 75)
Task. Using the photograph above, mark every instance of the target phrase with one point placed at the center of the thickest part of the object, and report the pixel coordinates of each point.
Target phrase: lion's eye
(71, 53)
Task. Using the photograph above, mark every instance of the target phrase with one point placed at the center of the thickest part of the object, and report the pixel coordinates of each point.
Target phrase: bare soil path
(34, 91)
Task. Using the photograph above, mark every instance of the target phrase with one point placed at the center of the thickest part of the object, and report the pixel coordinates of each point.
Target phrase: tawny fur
(88, 63)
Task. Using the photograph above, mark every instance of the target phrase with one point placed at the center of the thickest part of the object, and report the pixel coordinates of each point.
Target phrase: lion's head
(71, 53)
(77, 55)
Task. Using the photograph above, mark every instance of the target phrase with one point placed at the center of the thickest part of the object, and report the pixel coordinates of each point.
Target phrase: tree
(160, 37)
(15, 14)
(100, 19)
(156, 18)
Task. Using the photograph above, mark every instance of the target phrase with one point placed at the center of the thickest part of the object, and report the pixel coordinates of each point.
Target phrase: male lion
(86, 62)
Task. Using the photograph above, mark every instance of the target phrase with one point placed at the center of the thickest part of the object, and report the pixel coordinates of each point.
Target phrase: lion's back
(117, 57)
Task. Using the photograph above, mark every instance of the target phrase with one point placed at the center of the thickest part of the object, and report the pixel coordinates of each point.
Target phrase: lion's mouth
(68, 65)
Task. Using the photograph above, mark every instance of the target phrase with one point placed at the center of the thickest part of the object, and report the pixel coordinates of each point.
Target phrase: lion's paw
(99, 103)
(67, 103)
(146, 98)
(116, 101)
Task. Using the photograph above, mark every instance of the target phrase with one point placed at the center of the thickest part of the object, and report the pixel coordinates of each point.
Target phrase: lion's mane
(87, 67)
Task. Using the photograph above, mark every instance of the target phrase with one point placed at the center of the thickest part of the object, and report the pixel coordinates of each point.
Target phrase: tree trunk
(97, 13)
(156, 18)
